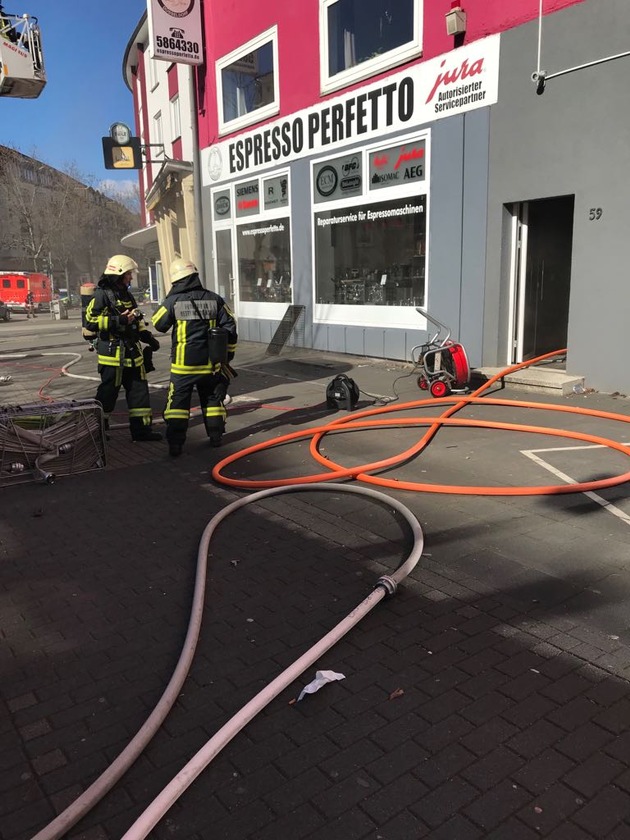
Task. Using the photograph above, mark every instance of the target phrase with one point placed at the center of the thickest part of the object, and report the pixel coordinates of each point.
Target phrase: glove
(153, 343)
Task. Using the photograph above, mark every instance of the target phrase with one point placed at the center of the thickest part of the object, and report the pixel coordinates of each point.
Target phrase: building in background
(165, 124)
(54, 223)
(361, 159)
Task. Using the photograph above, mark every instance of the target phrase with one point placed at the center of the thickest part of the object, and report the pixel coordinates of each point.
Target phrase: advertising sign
(338, 178)
(222, 205)
(247, 199)
(276, 192)
(397, 165)
(444, 86)
(175, 31)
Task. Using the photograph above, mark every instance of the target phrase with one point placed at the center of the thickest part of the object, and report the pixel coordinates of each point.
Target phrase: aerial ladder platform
(22, 73)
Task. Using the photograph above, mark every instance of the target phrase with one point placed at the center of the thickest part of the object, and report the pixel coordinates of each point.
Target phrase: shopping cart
(442, 363)
(39, 442)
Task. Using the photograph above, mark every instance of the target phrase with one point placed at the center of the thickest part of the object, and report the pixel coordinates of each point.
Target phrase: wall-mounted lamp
(455, 20)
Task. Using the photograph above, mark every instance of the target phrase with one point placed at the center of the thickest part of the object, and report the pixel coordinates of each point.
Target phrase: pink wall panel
(173, 81)
(230, 23)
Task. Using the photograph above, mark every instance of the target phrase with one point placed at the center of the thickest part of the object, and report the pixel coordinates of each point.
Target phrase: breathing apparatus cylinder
(87, 293)
(217, 346)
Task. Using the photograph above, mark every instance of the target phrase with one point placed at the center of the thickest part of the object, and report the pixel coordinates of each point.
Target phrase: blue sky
(84, 43)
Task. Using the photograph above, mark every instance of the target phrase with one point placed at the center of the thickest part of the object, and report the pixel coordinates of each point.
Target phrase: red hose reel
(443, 364)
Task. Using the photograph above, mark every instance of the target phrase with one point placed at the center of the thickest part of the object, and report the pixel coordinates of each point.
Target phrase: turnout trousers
(211, 388)
(134, 381)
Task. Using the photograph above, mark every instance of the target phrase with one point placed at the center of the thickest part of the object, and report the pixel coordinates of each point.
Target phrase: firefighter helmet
(181, 268)
(120, 264)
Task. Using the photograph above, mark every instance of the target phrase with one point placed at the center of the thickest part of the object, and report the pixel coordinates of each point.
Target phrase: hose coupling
(389, 585)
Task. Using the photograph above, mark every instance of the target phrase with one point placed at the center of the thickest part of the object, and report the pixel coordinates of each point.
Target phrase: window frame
(176, 117)
(158, 129)
(262, 310)
(259, 114)
(372, 67)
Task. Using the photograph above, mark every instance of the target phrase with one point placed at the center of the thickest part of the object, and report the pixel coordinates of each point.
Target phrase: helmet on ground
(120, 264)
(181, 268)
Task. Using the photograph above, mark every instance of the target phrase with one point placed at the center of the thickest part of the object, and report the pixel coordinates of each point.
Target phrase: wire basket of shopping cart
(40, 442)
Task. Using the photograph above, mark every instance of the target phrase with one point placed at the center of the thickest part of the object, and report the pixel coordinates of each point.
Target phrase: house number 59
(595, 213)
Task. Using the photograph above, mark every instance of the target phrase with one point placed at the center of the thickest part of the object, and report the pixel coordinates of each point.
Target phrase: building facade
(165, 122)
(359, 161)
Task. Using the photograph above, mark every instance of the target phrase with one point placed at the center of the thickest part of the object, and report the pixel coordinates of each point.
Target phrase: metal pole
(199, 257)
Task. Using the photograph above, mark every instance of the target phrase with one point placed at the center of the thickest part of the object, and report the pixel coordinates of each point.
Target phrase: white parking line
(531, 453)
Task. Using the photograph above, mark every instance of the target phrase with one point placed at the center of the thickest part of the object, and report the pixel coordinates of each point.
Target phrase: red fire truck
(15, 285)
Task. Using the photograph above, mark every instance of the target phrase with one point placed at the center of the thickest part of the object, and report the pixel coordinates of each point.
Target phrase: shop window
(264, 261)
(373, 254)
(247, 83)
(360, 38)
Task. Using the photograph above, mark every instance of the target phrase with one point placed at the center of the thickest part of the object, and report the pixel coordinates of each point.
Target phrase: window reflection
(264, 259)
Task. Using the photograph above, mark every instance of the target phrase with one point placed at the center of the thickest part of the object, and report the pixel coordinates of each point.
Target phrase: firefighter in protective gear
(193, 311)
(116, 328)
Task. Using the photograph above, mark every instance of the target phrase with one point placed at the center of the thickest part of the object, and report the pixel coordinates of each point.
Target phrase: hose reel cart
(443, 363)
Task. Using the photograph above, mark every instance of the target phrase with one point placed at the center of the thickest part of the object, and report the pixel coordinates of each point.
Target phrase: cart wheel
(422, 383)
(440, 388)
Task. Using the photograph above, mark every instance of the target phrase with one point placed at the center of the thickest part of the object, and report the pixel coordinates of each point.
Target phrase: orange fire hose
(363, 473)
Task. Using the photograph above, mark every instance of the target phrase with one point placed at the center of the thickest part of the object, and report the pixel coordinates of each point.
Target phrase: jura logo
(449, 77)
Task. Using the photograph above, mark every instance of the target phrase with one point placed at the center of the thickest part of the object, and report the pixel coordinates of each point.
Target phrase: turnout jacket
(192, 310)
(117, 343)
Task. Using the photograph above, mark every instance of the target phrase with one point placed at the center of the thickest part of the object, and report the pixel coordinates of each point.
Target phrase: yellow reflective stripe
(201, 369)
(139, 412)
(215, 411)
(180, 350)
(158, 314)
(108, 360)
(179, 413)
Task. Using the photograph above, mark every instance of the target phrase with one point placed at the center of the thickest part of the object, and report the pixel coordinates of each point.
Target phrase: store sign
(222, 206)
(454, 83)
(175, 31)
(397, 165)
(276, 192)
(247, 198)
(338, 178)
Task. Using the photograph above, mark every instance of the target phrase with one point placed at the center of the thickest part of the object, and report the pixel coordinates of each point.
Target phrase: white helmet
(181, 268)
(120, 264)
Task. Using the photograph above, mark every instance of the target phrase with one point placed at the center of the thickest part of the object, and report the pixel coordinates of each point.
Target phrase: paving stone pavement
(489, 698)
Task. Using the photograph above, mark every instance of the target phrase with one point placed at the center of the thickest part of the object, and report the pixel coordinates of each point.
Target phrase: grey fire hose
(384, 586)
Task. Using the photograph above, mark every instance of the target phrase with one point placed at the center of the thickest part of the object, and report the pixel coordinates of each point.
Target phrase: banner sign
(175, 31)
(452, 83)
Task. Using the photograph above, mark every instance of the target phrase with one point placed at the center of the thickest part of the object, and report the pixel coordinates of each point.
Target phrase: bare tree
(56, 221)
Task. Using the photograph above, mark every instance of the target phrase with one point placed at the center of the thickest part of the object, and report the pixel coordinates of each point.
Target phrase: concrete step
(535, 379)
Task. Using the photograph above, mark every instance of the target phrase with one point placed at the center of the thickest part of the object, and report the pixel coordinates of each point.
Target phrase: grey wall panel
(446, 222)
(572, 140)
(476, 139)
(302, 250)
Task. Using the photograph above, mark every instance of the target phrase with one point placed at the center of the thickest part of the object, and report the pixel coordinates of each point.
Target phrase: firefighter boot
(141, 437)
(141, 431)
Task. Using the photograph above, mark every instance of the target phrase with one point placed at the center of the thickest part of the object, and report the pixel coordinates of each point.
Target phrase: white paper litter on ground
(321, 678)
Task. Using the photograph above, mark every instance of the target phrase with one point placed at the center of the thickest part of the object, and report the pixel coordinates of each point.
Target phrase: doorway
(542, 249)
